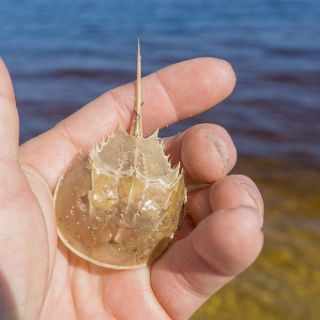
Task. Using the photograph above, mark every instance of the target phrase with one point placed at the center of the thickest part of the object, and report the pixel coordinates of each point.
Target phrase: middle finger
(206, 152)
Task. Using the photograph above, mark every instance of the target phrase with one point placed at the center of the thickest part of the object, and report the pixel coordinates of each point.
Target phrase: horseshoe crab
(120, 205)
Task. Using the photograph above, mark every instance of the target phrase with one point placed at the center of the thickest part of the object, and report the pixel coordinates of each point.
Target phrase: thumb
(9, 119)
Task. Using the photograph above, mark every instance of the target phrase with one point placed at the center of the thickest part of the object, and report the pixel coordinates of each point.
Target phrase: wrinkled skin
(40, 278)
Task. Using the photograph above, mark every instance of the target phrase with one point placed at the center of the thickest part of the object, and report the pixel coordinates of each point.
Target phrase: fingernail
(252, 192)
(220, 149)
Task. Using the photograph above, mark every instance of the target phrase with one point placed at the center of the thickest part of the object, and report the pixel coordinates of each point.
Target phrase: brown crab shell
(120, 206)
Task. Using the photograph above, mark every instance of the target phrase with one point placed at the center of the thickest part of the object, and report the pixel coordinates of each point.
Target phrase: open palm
(40, 278)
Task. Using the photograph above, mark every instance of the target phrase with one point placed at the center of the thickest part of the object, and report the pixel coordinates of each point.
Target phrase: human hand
(40, 278)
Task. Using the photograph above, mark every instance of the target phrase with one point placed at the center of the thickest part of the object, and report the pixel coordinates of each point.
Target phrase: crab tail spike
(136, 128)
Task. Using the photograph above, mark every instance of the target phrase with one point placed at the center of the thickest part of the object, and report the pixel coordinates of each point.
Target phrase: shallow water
(64, 53)
(284, 282)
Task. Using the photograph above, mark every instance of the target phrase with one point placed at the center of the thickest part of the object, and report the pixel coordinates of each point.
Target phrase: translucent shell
(120, 206)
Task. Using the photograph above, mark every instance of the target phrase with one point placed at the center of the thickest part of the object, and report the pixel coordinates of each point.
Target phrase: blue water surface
(64, 53)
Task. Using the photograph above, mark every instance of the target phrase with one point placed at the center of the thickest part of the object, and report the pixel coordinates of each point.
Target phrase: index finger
(173, 93)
